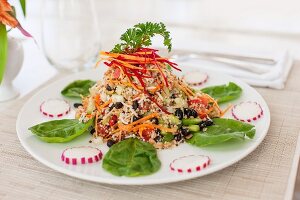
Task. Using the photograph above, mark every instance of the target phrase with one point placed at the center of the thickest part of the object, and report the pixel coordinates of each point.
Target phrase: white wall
(281, 16)
(271, 24)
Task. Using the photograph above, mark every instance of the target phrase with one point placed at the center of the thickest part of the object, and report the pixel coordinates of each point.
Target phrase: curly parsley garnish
(140, 36)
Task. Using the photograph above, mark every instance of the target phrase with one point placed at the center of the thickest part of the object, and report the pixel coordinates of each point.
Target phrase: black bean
(179, 113)
(111, 107)
(158, 131)
(135, 105)
(76, 105)
(184, 131)
(158, 138)
(189, 112)
(108, 88)
(209, 122)
(110, 143)
(118, 105)
(92, 131)
(154, 120)
(194, 113)
(178, 137)
(135, 118)
(173, 96)
(185, 111)
(202, 124)
(206, 123)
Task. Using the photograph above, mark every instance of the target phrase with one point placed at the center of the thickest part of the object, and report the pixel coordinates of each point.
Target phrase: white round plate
(222, 155)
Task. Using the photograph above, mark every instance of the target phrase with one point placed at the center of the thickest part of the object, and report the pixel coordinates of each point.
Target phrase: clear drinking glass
(70, 33)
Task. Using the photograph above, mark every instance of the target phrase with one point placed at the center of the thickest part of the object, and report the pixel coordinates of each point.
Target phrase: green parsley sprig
(140, 36)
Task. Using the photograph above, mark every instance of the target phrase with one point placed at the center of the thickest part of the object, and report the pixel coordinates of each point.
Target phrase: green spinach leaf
(224, 93)
(131, 157)
(222, 131)
(77, 88)
(58, 131)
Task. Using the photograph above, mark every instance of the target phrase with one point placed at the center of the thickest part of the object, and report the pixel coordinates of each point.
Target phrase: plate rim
(132, 180)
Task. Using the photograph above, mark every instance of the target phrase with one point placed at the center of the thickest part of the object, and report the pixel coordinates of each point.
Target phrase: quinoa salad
(139, 96)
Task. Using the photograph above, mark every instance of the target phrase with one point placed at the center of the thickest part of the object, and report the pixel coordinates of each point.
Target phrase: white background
(252, 24)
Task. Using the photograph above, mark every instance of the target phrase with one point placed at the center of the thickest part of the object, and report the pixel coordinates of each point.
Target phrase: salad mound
(140, 96)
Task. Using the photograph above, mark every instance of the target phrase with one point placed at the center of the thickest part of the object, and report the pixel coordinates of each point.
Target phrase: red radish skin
(189, 164)
(247, 111)
(94, 155)
(62, 108)
(195, 78)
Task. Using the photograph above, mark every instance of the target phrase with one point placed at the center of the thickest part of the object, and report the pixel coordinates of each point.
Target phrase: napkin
(261, 75)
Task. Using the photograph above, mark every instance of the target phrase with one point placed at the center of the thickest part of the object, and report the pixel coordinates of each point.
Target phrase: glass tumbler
(70, 33)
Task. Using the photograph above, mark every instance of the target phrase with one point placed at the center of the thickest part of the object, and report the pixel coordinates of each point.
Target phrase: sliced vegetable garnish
(224, 93)
(190, 163)
(58, 131)
(55, 108)
(195, 78)
(221, 131)
(81, 155)
(78, 88)
(247, 111)
(131, 157)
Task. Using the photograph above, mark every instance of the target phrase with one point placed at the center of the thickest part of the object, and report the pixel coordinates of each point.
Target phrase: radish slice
(189, 164)
(247, 111)
(55, 108)
(81, 155)
(195, 78)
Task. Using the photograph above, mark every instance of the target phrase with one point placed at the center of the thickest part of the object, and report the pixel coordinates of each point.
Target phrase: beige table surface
(267, 173)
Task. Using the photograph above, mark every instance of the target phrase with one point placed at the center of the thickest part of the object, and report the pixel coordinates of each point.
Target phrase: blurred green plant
(8, 18)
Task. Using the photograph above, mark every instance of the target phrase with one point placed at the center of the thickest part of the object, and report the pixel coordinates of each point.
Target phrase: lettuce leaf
(131, 157)
(78, 88)
(222, 131)
(224, 93)
(58, 131)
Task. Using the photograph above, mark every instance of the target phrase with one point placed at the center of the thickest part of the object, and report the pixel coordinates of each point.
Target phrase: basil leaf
(78, 88)
(222, 131)
(131, 157)
(224, 93)
(58, 131)
(3, 50)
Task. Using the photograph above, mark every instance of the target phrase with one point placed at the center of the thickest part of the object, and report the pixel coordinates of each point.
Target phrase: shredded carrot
(225, 111)
(184, 90)
(96, 123)
(189, 90)
(143, 126)
(144, 118)
(130, 81)
(214, 101)
(129, 57)
(157, 87)
(123, 83)
(106, 104)
(129, 127)
(137, 95)
(89, 116)
(97, 99)
(210, 109)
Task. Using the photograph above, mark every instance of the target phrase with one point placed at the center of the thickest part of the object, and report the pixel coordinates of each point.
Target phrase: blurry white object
(14, 63)
(269, 74)
(70, 33)
(244, 62)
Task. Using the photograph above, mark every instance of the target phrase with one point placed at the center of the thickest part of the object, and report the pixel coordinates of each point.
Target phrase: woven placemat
(264, 174)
